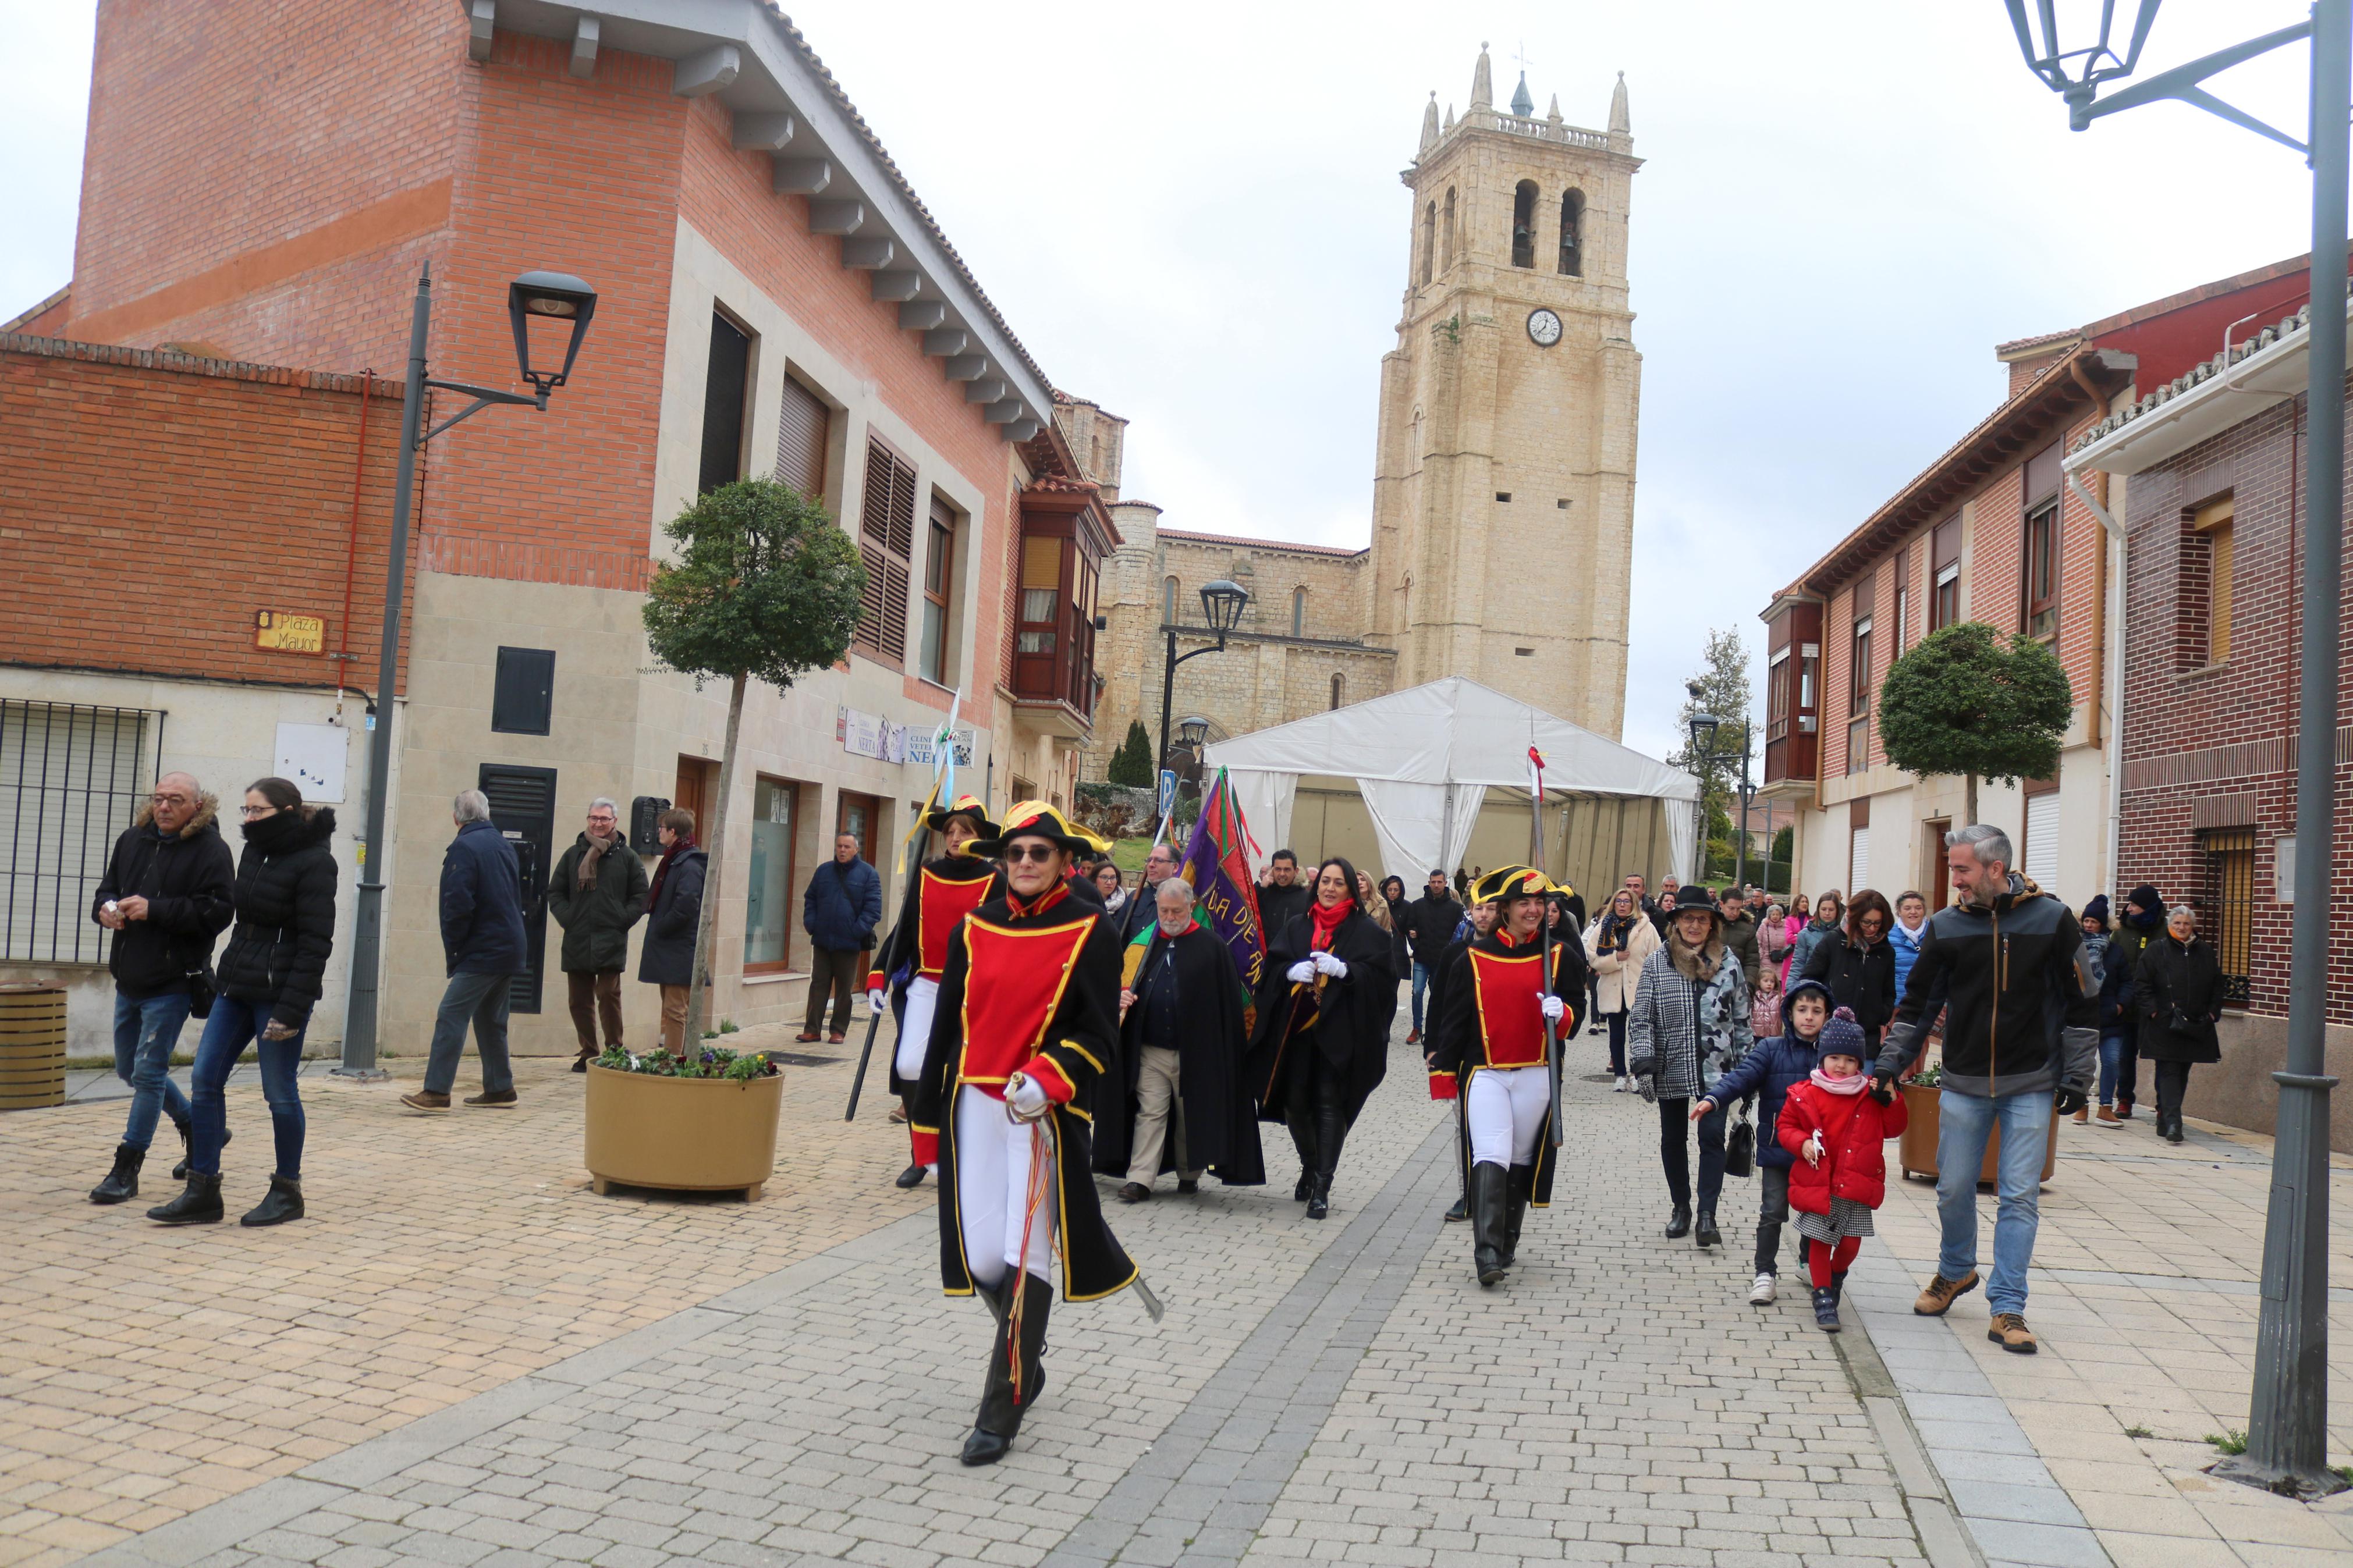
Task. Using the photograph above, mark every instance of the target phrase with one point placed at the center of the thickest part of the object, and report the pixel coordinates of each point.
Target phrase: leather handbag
(1740, 1144)
(201, 988)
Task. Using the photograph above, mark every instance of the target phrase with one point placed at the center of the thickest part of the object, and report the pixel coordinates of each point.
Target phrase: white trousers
(916, 1027)
(1506, 1110)
(992, 1175)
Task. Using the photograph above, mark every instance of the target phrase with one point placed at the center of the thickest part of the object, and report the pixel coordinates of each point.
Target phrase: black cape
(901, 948)
(1345, 1022)
(1221, 1128)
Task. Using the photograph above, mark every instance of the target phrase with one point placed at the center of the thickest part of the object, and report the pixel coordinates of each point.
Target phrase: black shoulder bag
(1740, 1144)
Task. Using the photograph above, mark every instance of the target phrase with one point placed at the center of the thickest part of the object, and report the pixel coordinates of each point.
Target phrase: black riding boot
(1331, 1132)
(283, 1203)
(1489, 1197)
(1516, 1208)
(1708, 1235)
(122, 1181)
(999, 1420)
(1303, 1138)
(198, 1204)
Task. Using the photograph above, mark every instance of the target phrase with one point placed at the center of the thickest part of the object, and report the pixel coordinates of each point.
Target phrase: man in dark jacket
(1739, 930)
(166, 895)
(673, 915)
(839, 912)
(1136, 915)
(596, 893)
(482, 943)
(1281, 896)
(2020, 1034)
(2143, 924)
(1430, 921)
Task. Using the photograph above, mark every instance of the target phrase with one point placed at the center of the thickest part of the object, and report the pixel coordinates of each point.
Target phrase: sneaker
(2108, 1118)
(1622, 1085)
(2124, 1109)
(2082, 1116)
(426, 1100)
(1940, 1294)
(497, 1099)
(2011, 1333)
(1760, 1294)
(1826, 1307)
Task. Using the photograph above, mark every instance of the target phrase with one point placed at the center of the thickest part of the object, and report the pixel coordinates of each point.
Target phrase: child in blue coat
(1771, 1070)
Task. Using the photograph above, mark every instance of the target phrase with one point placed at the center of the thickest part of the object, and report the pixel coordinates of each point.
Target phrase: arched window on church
(1447, 232)
(1524, 225)
(1429, 240)
(1299, 612)
(1572, 234)
(1168, 601)
(1339, 688)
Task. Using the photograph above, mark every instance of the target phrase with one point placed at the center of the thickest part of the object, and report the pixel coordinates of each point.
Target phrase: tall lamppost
(1704, 728)
(559, 298)
(2287, 1425)
(1222, 603)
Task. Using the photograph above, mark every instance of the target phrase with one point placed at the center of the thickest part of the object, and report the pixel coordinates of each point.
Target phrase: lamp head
(549, 296)
(2075, 51)
(1222, 603)
(1192, 731)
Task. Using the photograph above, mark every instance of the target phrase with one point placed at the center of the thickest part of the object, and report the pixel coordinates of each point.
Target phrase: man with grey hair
(2006, 962)
(482, 942)
(1180, 1043)
(596, 892)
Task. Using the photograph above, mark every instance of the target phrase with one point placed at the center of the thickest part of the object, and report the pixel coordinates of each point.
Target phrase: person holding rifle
(943, 891)
(1513, 998)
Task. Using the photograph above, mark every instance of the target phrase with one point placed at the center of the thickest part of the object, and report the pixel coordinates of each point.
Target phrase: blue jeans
(482, 1000)
(1964, 1122)
(2113, 1050)
(1420, 984)
(235, 1025)
(145, 1034)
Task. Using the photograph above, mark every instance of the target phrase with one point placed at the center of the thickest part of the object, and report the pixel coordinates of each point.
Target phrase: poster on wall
(922, 746)
(862, 734)
(312, 757)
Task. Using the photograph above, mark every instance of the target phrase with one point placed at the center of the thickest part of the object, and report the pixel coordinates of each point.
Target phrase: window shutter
(1859, 860)
(886, 542)
(2040, 860)
(802, 428)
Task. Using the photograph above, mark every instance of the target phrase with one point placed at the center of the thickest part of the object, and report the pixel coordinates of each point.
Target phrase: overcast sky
(1193, 216)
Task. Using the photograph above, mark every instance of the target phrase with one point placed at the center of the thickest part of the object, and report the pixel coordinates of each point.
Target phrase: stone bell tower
(1504, 484)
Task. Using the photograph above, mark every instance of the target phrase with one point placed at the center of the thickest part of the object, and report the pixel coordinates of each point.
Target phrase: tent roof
(1452, 731)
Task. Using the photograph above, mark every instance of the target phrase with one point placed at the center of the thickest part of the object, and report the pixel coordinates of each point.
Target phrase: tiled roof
(2204, 371)
(1055, 484)
(195, 365)
(1278, 545)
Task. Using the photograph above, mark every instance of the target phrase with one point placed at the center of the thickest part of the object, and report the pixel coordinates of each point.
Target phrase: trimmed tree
(765, 588)
(1964, 701)
(1131, 764)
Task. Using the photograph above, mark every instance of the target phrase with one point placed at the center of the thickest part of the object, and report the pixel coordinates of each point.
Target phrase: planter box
(1918, 1156)
(681, 1134)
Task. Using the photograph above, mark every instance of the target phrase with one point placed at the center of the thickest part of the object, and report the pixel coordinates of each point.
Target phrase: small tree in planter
(765, 587)
(1961, 703)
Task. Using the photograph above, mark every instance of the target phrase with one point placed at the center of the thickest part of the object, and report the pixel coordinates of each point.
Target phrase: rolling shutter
(802, 428)
(886, 543)
(2040, 856)
(1859, 867)
(523, 808)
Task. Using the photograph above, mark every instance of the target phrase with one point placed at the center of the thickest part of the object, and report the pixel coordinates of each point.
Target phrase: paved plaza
(466, 1357)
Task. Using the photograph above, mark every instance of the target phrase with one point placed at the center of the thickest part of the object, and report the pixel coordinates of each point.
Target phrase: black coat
(277, 953)
(2180, 992)
(1278, 906)
(481, 904)
(2119, 990)
(187, 878)
(1221, 1133)
(667, 956)
(597, 919)
(1350, 1016)
(1860, 978)
(1429, 925)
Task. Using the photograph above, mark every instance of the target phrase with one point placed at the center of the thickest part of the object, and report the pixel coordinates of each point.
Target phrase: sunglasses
(1031, 850)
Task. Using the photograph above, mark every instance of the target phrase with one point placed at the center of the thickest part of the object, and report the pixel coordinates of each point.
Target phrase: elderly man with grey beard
(1181, 1010)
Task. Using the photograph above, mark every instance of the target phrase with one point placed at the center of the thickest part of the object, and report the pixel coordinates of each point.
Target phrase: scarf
(1326, 919)
(1830, 1085)
(1697, 963)
(1116, 902)
(679, 845)
(1614, 927)
(596, 848)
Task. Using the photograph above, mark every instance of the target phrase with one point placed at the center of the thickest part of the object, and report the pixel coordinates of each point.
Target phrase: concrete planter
(681, 1134)
(1918, 1145)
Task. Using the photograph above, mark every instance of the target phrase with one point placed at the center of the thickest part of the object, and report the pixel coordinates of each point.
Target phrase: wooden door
(694, 792)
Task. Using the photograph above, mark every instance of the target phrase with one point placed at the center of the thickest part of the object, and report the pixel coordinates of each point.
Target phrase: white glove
(1553, 1008)
(877, 1000)
(1327, 964)
(1301, 972)
(1025, 1099)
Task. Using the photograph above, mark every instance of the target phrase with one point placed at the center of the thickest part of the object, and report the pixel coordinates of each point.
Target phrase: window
(1063, 540)
(1339, 690)
(1299, 612)
(886, 540)
(523, 695)
(768, 900)
(1449, 231)
(1429, 240)
(72, 779)
(1859, 677)
(2038, 855)
(1524, 225)
(939, 574)
(1902, 629)
(2230, 908)
(1168, 602)
(1041, 587)
(1572, 235)
(2041, 571)
(1858, 866)
(2212, 537)
(724, 402)
(1945, 563)
(804, 432)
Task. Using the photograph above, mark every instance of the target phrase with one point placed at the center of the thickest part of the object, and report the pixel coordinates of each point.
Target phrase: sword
(873, 1024)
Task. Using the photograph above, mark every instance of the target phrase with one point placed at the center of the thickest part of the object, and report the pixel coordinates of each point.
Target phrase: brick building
(773, 297)
(1989, 531)
(2205, 475)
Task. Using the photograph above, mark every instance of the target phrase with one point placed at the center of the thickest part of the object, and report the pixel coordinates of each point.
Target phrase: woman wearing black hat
(1689, 1027)
(2180, 1000)
(1323, 1013)
(943, 891)
(2143, 923)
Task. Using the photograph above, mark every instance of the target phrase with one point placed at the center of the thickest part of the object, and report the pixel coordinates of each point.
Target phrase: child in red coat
(1835, 1124)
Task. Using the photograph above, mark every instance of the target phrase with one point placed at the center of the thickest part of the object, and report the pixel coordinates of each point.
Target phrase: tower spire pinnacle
(1482, 82)
(1521, 104)
(1430, 122)
(1619, 125)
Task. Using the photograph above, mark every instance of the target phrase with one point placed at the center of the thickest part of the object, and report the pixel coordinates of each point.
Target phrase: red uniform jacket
(1853, 1128)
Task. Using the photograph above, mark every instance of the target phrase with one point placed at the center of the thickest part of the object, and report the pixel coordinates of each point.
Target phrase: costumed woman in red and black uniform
(1025, 1020)
(1491, 1039)
(944, 891)
(1323, 1013)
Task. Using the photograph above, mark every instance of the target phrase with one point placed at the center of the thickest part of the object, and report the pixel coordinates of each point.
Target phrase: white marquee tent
(1424, 760)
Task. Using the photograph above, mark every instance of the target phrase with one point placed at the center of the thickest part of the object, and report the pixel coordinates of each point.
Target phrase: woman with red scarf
(1323, 1013)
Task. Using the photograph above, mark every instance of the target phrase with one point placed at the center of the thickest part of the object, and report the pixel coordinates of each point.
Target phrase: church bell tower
(1503, 486)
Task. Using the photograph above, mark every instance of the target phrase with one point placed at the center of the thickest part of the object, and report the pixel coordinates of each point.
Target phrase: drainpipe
(2112, 659)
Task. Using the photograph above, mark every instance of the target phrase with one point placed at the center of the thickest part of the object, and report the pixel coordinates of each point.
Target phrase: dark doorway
(522, 807)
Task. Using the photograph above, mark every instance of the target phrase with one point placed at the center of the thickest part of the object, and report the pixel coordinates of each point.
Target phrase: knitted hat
(2146, 899)
(1842, 1037)
(2098, 910)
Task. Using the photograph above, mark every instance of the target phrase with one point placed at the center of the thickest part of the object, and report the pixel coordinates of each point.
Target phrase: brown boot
(2082, 1116)
(426, 1100)
(2108, 1118)
(1938, 1296)
(2011, 1333)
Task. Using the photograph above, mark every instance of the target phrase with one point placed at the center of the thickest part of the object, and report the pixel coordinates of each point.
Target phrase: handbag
(201, 988)
(1740, 1144)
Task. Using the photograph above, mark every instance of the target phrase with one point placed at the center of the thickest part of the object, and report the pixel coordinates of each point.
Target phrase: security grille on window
(2231, 892)
(72, 779)
(886, 543)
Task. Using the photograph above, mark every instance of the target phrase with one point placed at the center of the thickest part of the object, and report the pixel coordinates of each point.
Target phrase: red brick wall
(154, 502)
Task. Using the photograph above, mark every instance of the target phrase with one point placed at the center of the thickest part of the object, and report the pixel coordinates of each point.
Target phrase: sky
(1193, 216)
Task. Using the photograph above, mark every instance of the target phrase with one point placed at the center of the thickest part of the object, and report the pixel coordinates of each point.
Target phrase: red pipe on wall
(352, 542)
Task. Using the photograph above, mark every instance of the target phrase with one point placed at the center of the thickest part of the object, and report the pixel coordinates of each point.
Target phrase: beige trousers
(1157, 1109)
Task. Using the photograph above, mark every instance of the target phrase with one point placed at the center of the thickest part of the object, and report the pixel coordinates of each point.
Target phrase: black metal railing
(71, 778)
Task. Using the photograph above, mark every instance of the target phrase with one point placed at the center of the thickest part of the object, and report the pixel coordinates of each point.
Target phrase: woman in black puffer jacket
(1859, 965)
(271, 977)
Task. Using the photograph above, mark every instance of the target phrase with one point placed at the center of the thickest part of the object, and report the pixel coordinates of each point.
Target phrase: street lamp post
(555, 297)
(1703, 729)
(2287, 1425)
(1222, 603)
